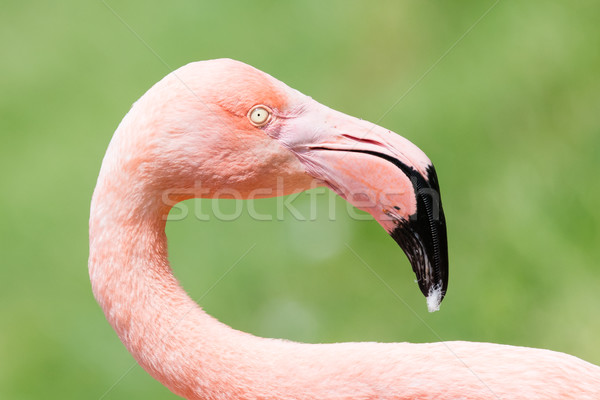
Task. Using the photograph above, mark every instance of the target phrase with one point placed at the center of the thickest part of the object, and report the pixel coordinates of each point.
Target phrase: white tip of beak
(434, 298)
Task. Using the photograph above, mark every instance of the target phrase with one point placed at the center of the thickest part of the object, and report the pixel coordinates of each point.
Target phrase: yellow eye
(259, 115)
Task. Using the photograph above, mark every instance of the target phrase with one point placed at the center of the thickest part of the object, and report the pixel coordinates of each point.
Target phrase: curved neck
(192, 353)
(169, 335)
(197, 357)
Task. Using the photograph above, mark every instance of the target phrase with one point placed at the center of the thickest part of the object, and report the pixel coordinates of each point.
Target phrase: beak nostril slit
(362, 140)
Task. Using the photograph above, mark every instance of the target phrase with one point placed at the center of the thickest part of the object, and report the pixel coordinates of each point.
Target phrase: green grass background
(509, 115)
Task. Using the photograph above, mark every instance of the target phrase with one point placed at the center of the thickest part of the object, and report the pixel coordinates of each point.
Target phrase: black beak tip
(423, 235)
(423, 238)
(429, 263)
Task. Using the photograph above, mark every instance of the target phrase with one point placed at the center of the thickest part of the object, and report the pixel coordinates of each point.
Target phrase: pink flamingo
(221, 123)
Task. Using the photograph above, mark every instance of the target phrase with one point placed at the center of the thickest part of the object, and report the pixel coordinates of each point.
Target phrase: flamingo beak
(383, 174)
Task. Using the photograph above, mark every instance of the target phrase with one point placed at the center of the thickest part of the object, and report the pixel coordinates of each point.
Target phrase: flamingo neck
(168, 334)
(197, 357)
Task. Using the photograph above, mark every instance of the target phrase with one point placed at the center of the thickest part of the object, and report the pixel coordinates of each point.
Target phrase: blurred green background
(510, 116)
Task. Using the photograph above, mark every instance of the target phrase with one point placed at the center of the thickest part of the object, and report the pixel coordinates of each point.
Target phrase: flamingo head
(224, 124)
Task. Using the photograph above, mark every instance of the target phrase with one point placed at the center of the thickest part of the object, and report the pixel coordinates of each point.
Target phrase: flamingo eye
(259, 115)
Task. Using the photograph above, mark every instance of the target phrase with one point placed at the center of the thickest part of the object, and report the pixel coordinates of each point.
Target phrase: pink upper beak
(383, 174)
